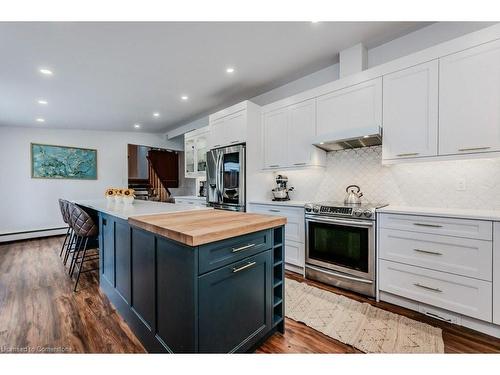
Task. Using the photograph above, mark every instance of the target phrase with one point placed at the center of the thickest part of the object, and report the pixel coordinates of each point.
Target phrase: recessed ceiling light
(45, 71)
(321, 143)
(314, 21)
(137, 126)
(366, 136)
(156, 114)
(40, 120)
(230, 70)
(43, 101)
(184, 97)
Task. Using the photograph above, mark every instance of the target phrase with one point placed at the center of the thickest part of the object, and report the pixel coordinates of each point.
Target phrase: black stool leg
(64, 243)
(69, 247)
(81, 263)
(75, 255)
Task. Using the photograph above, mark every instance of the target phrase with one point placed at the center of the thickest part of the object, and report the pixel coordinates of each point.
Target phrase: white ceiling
(109, 76)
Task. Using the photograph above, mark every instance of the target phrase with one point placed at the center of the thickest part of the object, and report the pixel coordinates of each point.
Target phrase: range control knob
(368, 213)
(358, 213)
(316, 209)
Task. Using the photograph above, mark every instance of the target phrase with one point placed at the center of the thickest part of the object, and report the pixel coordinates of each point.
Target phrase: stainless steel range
(340, 245)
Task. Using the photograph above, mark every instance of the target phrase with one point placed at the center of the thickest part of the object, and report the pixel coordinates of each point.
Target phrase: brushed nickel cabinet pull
(274, 165)
(427, 252)
(428, 288)
(273, 210)
(235, 250)
(248, 265)
(474, 148)
(299, 163)
(428, 225)
(409, 154)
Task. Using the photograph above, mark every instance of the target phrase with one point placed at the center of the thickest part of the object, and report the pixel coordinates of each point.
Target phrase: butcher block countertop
(201, 227)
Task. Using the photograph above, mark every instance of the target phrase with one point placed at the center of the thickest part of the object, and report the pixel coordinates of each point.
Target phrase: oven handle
(364, 224)
(336, 274)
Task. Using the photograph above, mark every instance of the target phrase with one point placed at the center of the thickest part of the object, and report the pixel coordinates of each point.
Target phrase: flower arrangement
(120, 195)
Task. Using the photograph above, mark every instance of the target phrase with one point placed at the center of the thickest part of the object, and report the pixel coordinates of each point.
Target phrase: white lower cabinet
(463, 295)
(193, 201)
(460, 256)
(294, 231)
(294, 253)
(441, 263)
(496, 273)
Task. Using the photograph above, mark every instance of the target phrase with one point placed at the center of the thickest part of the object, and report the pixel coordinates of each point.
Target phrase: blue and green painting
(49, 161)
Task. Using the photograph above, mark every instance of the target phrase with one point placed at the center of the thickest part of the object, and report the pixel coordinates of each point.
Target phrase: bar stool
(65, 215)
(85, 229)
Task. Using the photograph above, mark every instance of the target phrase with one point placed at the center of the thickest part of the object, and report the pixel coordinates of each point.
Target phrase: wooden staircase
(163, 173)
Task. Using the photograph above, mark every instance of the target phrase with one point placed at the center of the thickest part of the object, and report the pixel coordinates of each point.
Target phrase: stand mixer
(280, 192)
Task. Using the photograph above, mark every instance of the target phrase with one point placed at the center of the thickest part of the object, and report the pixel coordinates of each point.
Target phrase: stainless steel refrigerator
(226, 178)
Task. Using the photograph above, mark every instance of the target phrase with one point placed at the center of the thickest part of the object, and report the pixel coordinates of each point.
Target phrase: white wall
(424, 184)
(31, 204)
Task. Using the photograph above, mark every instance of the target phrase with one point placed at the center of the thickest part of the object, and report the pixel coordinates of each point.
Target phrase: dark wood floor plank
(39, 309)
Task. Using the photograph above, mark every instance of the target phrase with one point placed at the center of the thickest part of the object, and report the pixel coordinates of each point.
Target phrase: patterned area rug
(367, 328)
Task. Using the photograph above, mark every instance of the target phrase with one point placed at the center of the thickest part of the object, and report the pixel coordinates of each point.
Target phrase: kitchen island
(191, 279)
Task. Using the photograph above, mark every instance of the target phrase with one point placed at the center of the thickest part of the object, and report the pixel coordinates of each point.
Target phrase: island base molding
(441, 314)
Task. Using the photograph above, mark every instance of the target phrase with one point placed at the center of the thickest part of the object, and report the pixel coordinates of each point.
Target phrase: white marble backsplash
(424, 184)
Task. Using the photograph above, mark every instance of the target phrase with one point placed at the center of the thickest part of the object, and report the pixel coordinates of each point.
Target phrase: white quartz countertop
(138, 208)
(462, 213)
(290, 203)
(190, 197)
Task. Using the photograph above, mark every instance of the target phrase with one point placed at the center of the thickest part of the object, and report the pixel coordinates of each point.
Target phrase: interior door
(469, 97)
(411, 112)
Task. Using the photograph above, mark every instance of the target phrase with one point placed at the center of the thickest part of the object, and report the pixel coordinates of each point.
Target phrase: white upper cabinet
(350, 112)
(228, 130)
(195, 150)
(411, 112)
(275, 138)
(288, 137)
(301, 130)
(230, 126)
(469, 100)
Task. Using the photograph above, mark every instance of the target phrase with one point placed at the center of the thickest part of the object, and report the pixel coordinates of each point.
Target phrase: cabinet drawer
(479, 229)
(294, 227)
(461, 256)
(221, 253)
(463, 295)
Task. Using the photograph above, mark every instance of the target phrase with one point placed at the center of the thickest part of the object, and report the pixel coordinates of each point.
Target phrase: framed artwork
(50, 161)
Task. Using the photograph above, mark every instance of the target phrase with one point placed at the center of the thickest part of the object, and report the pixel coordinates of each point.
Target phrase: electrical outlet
(461, 185)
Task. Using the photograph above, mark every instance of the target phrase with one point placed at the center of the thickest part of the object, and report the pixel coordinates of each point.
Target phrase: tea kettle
(353, 195)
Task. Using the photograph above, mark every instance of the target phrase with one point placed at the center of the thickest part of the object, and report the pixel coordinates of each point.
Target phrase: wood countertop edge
(219, 235)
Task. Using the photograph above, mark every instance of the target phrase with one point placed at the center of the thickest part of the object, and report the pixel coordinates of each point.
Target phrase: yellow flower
(109, 192)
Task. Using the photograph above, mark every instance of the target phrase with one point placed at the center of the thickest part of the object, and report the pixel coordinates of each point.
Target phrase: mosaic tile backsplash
(424, 184)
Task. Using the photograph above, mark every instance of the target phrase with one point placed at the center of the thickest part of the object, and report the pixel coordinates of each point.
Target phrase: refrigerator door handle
(220, 172)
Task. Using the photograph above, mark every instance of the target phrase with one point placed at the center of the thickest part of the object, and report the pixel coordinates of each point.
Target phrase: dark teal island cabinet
(195, 282)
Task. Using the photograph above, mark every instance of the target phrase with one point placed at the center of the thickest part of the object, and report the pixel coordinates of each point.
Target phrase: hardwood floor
(40, 313)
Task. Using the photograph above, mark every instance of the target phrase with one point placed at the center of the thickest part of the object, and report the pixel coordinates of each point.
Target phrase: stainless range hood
(354, 138)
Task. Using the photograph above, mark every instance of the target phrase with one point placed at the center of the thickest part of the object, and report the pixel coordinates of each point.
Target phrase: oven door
(343, 245)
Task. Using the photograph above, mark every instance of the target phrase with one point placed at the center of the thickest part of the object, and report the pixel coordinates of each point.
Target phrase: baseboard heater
(35, 233)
